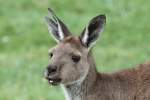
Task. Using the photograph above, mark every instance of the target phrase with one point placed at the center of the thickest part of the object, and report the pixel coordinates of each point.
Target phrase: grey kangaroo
(73, 68)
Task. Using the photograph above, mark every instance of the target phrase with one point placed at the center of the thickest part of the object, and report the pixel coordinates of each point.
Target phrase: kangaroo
(73, 68)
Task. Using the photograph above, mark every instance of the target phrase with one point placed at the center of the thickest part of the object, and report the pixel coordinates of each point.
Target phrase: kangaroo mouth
(54, 81)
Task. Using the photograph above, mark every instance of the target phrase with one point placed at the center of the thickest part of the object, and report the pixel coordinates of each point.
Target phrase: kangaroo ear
(92, 31)
(56, 27)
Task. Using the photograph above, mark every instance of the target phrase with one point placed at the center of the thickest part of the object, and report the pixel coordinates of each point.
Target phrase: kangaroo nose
(50, 70)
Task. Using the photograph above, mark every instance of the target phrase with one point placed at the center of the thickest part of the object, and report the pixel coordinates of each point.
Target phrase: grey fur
(81, 81)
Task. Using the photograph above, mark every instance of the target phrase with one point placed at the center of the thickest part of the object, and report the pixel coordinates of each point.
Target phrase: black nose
(50, 70)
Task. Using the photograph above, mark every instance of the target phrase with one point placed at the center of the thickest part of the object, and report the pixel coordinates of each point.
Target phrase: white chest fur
(69, 96)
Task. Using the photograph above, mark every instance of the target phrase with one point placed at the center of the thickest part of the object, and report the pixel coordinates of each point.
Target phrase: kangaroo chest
(74, 93)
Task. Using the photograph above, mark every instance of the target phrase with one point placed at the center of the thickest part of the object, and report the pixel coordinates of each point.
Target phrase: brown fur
(130, 84)
(79, 77)
(133, 84)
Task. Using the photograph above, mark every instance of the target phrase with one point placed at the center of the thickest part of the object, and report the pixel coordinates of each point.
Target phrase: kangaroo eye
(50, 55)
(75, 58)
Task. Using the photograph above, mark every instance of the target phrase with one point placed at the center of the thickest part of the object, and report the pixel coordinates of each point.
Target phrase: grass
(24, 41)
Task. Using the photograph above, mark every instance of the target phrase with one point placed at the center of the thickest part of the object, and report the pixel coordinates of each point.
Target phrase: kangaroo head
(69, 61)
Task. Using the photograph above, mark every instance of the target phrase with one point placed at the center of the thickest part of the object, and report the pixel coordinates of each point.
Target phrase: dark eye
(75, 58)
(50, 55)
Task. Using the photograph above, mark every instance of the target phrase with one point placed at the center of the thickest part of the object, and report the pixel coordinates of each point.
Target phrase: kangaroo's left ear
(56, 27)
(92, 31)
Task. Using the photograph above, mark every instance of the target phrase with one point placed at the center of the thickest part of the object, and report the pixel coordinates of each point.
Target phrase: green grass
(24, 41)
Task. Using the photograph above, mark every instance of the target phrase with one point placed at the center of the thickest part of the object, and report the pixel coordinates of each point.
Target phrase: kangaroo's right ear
(56, 27)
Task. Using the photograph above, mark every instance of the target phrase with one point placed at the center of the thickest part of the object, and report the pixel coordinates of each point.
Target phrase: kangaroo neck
(78, 91)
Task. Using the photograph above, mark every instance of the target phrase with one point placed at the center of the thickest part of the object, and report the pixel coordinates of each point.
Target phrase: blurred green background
(24, 41)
